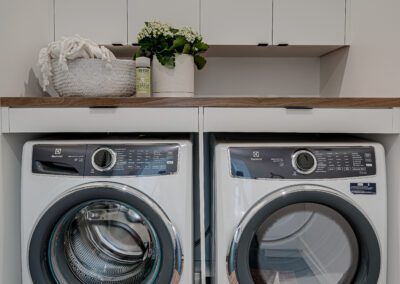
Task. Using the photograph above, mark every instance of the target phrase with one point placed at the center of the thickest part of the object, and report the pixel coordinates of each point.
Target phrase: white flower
(190, 35)
(155, 29)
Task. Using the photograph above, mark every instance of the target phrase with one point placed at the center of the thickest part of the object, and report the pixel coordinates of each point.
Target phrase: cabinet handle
(298, 107)
(263, 44)
(283, 44)
(117, 44)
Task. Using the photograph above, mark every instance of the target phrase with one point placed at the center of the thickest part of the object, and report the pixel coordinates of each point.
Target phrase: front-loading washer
(300, 213)
(107, 211)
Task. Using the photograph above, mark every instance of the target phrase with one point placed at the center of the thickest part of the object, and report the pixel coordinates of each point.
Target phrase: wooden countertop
(50, 102)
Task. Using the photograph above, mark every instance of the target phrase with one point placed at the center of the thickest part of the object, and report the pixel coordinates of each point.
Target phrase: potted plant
(174, 54)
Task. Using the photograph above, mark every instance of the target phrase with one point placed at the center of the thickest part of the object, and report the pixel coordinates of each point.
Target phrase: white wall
(259, 77)
(25, 27)
(371, 66)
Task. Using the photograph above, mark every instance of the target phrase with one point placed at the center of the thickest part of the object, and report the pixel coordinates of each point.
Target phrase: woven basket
(94, 78)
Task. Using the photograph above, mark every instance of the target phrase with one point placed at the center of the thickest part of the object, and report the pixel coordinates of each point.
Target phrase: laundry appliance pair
(299, 212)
(120, 211)
(107, 211)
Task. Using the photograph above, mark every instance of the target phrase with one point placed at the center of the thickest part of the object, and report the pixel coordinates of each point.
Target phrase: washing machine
(304, 213)
(107, 211)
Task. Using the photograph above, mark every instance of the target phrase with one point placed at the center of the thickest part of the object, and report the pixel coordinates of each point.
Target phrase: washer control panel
(302, 163)
(106, 160)
(131, 160)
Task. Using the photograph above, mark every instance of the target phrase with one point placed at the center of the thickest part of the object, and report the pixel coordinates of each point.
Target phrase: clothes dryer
(300, 213)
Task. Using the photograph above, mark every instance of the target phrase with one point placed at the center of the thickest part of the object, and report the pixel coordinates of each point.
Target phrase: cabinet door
(178, 13)
(236, 22)
(309, 22)
(104, 21)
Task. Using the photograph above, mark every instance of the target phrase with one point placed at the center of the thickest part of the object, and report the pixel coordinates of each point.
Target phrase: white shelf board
(51, 120)
(4, 119)
(396, 120)
(319, 120)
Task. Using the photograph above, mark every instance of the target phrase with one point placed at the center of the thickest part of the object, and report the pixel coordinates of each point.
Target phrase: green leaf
(200, 61)
(162, 44)
(200, 46)
(146, 43)
(166, 60)
(178, 44)
(186, 49)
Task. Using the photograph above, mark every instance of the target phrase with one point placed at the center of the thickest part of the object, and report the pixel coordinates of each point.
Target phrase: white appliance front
(124, 224)
(276, 225)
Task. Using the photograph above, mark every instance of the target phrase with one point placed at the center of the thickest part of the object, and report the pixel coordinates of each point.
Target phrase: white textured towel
(69, 48)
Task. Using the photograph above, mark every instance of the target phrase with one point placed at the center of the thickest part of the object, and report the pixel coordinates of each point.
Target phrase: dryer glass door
(304, 235)
(304, 243)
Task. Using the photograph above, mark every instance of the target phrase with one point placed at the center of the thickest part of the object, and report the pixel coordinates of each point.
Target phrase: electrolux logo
(57, 153)
(256, 156)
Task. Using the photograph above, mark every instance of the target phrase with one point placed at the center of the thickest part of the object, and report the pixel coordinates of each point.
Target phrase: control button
(304, 162)
(104, 159)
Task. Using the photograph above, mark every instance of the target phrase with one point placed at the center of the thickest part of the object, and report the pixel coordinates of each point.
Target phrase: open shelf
(127, 51)
(255, 102)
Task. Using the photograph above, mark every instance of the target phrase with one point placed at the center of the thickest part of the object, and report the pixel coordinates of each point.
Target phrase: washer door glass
(304, 243)
(104, 241)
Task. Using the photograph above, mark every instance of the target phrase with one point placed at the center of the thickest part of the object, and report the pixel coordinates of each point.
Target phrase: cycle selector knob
(304, 162)
(104, 159)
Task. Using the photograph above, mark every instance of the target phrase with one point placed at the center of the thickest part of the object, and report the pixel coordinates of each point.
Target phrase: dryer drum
(105, 241)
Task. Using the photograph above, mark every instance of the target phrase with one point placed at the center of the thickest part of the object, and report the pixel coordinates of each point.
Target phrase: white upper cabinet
(309, 22)
(236, 22)
(178, 13)
(104, 21)
(223, 22)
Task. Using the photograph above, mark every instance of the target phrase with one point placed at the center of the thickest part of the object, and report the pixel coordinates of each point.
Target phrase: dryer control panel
(302, 163)
(105, 160)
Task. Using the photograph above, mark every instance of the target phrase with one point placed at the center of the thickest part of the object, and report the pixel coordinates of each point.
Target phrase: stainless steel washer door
(105, 241)
(105, 233)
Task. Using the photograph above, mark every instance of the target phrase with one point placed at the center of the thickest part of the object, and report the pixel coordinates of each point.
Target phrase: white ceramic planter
(175, 82)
